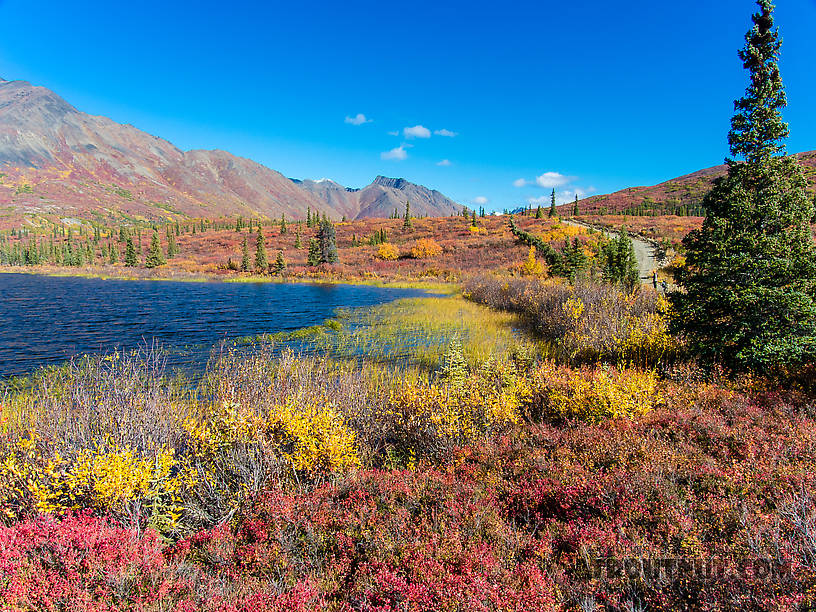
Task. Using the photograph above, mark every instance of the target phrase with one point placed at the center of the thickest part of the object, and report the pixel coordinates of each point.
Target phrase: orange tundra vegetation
(446, 248)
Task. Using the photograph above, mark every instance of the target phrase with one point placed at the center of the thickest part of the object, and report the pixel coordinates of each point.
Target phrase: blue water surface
(47, 320)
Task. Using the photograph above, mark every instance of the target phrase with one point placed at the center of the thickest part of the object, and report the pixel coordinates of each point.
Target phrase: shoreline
(431, 286)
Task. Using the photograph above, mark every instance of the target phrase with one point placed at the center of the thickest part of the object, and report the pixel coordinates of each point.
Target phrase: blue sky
(585, 95)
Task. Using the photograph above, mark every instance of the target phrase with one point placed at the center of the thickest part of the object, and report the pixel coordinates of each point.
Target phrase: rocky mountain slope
(381, 198)
(57, 160)
(680, 195)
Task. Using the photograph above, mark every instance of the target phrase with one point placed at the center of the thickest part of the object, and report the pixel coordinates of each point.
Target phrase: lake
(47, 320)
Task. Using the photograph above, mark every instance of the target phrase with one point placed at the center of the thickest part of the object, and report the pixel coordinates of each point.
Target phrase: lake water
(47, 320)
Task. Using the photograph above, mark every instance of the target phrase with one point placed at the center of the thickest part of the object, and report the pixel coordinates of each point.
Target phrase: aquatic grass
(418, 331)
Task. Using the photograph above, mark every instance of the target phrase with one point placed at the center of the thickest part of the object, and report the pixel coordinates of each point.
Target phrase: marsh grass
(416, 333)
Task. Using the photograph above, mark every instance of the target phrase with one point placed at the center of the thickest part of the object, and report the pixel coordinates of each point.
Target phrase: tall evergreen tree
(313, 258)
(261, 262)
(619, 262)
(749, 299)
(327, 242)
(552, 204)
(155, 257)
(172, 245)
(279, 267)
(298, 243)
(574, 259)
(406, 224)
(283, 224)
(575, 206)
(245, 262)
(131, 257)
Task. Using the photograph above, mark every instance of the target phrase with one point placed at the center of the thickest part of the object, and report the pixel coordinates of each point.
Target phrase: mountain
(57, 160)
(381, 198)
(683, 194)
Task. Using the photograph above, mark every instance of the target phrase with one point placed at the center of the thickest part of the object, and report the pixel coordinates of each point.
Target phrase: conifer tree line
(90, 243)
(86, 244)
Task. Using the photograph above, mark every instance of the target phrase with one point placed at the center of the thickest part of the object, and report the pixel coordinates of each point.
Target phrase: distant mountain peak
(394, 183)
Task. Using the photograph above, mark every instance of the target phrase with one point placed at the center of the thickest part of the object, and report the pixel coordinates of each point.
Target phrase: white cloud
(480, 200)
(358, 119)
(444, 132)
(398, 153)
(418, 131)
(565, 196)
(568, 195)
(394, 133)
(552, 179)
(548, 180)
(444, 162)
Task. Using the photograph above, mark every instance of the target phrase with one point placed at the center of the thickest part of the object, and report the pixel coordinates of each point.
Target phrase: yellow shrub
(425, 248)
(647, 340)
(224, 426)
(388, 251)
(110, 478)
(532, 267)
(574, 308)
(311, 436)
(314, 436)
(594, 395)
(462, 411)
(561, 232)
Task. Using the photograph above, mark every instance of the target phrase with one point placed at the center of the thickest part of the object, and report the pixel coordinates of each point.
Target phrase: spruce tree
(245, 262)
(283, 224)
(261, 262)
(406, 224)
(113, 252)
(155, 258)
(131, 257)
(327, 241)
(313, 258)
(552, 204)
(575, 206)
(172, 246)
(538, 212)
(279, 267)
(749, 284)
(575, 260)
(298, 243)
(619, 262)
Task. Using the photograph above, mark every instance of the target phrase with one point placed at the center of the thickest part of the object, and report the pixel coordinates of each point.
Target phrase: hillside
(56, 160)
(681, 195)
